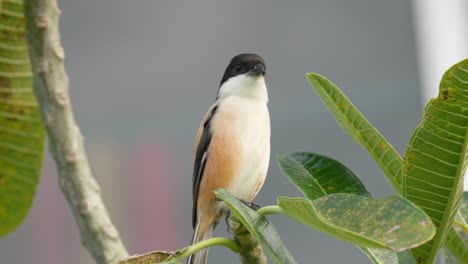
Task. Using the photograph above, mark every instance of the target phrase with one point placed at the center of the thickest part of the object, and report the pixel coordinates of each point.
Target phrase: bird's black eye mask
(238, 69)
(241, 64)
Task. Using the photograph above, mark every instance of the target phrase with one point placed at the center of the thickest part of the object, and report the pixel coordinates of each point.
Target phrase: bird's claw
(228, 214)
(251, 205)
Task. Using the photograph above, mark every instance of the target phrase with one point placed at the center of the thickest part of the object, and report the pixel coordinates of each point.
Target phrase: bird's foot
(228, 215)
(251, 205)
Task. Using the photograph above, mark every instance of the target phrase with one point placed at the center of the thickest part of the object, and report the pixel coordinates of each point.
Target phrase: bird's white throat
(245, 86)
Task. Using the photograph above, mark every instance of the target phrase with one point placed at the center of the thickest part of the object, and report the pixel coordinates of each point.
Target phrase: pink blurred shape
(152, 191)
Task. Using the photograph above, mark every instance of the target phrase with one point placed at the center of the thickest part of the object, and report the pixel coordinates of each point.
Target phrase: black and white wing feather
(201, 156)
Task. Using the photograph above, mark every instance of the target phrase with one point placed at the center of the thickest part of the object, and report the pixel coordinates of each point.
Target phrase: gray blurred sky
(148, 70)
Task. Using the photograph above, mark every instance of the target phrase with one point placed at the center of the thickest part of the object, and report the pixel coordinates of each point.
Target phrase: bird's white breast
(248, 126)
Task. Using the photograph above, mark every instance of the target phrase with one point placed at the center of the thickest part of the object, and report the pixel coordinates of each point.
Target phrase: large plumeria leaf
(259, 227)
(391, 223)
(316, 176)
(21, 132)
(436, 158)
(358, 127)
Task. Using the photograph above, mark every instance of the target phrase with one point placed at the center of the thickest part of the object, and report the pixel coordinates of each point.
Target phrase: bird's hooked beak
(257, 70)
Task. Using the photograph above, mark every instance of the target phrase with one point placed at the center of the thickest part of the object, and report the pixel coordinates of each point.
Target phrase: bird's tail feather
(201, 256)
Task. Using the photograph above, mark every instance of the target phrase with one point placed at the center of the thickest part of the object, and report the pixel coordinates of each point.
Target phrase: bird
(232, 145)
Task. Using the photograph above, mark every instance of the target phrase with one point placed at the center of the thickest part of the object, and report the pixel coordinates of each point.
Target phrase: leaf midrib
(393, 177)
(450, 203)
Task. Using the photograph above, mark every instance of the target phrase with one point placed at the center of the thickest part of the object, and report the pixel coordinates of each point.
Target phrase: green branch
(176, 256)
(271, 209)
(461, 225)
(215, 241)
(250, 250)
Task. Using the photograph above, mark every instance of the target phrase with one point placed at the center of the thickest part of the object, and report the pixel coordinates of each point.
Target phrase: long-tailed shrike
(232, 145)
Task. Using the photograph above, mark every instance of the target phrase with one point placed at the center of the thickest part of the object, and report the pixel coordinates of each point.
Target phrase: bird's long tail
(201, 256)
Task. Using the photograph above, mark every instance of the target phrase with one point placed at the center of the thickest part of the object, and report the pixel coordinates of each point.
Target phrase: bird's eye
(238, 68)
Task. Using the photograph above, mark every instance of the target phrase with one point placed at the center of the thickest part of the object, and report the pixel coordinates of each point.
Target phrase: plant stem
(161, 256)
(215, 241)
(250, 250)
(51, 85)
(461, 225)
(271, 209)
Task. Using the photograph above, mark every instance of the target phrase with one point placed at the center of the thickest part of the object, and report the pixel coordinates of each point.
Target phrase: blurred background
(144, 72)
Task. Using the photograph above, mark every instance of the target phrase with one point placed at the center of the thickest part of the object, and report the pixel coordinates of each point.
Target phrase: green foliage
(462, 215)
(357, 126)
(406, 257)
(259, 227)
(384, 154)
(21, 133)
(461, 240)
(391, 223)
(436, 157)
(380, 256)
(455, 247)
(316, 174)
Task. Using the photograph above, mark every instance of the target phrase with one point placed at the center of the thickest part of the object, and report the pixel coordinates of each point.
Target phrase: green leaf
(316, 175)
(357, 126)
(463, 209)
(21, 132)
(461, 217)
(454, 249)
(445, 256)
(381, 256)
(406, 257)
(259, 227)
(436, 157)
(391, 223)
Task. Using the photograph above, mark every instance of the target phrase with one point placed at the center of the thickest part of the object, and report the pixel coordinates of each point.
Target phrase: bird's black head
(249, 63)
